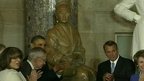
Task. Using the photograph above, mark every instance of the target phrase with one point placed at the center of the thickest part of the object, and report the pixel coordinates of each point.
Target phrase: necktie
(112, 67)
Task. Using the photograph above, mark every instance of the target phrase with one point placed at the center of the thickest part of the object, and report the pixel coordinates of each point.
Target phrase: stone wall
(12, 23)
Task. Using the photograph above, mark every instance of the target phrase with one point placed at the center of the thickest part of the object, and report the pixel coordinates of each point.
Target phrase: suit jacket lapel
(118, 65)
(108, 66)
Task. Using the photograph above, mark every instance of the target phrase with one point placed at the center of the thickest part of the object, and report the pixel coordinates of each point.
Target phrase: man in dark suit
(116, 68)
(49, 74)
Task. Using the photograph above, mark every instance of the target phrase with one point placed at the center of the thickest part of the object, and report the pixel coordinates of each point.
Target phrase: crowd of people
(35, 67)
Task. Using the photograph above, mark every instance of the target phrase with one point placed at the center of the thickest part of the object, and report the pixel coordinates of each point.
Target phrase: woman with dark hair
(8, 55)
(10, 60)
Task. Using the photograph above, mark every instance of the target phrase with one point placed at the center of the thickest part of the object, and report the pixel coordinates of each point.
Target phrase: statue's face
(63, 14)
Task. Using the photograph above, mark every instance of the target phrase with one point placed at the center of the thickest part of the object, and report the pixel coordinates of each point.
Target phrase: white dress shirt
(115, 62)
(30, 64)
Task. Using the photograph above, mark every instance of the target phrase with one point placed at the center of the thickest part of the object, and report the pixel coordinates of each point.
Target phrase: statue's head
(63, 11)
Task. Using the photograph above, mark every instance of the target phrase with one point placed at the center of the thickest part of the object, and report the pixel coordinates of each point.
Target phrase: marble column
(39, 18)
